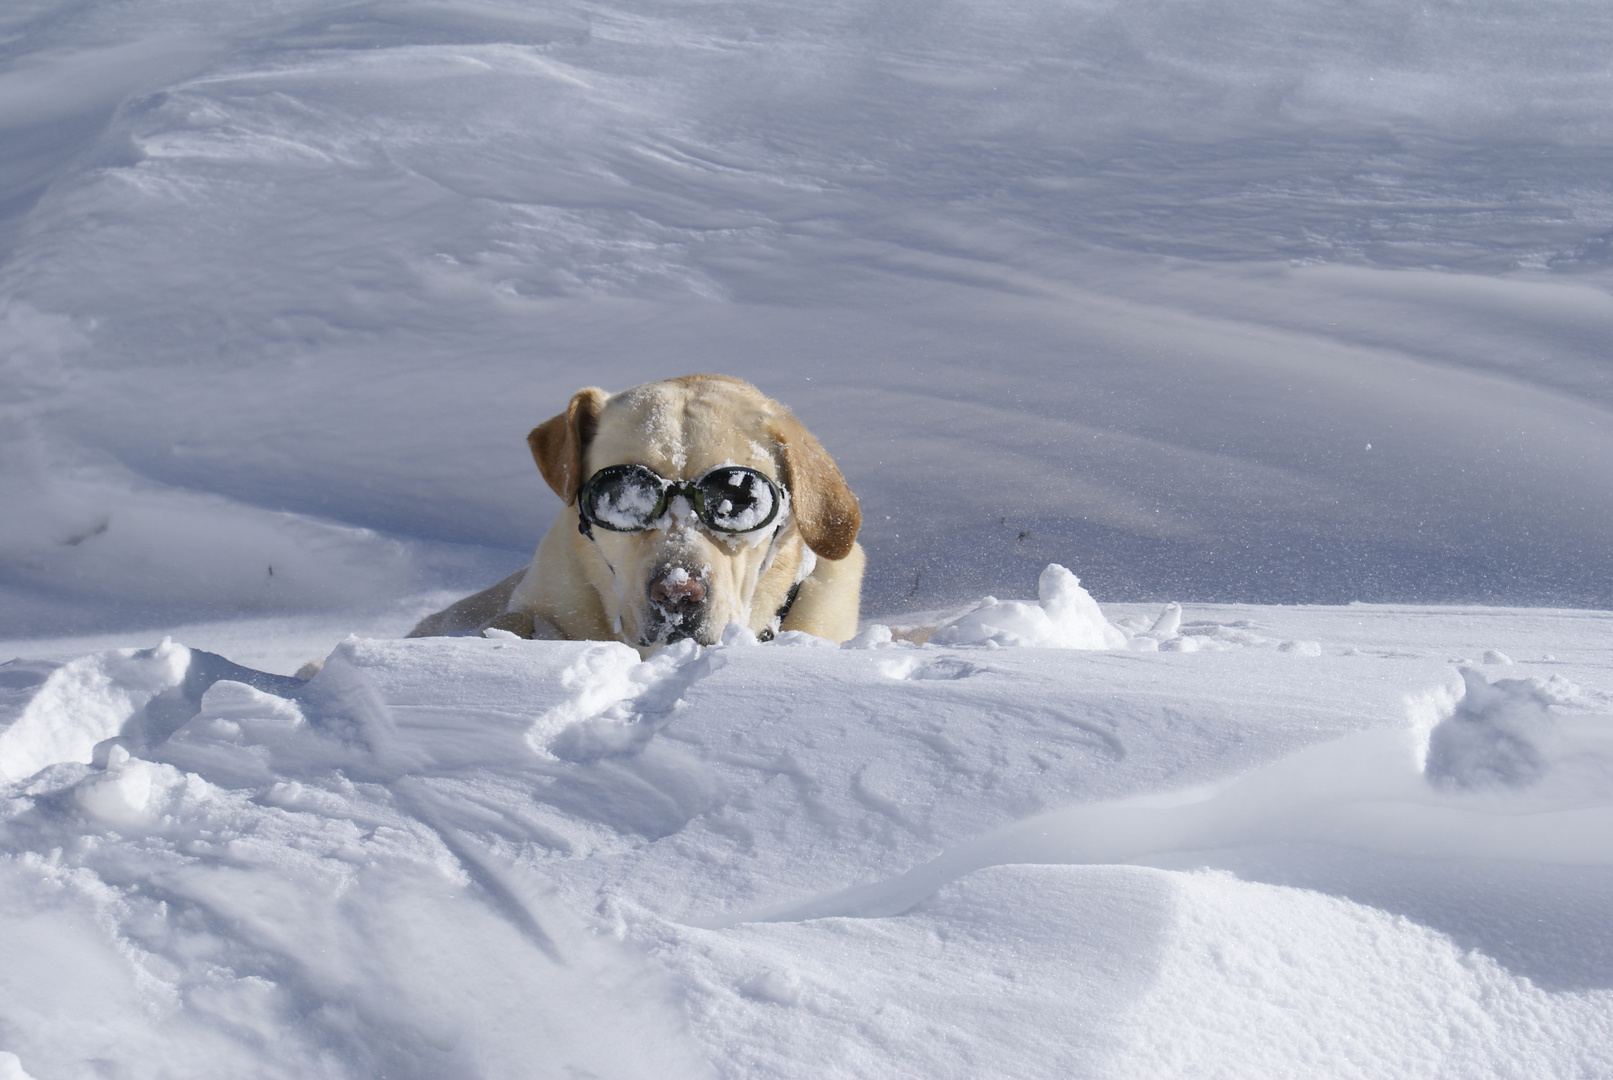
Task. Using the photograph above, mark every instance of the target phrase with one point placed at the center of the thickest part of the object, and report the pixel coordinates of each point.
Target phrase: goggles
(632, 498)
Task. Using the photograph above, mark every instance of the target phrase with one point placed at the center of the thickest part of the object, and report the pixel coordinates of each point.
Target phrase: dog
(690, 504)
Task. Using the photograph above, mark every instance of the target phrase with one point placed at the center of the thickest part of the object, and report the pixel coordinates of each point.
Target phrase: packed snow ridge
(1044, 843)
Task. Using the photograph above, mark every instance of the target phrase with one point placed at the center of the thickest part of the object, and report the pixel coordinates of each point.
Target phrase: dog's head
(686, 566)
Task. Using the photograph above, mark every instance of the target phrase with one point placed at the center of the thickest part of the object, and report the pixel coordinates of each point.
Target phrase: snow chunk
(1500, 734)
(871, 637)
(618, 701)
(1516, 733)
(85, 701)
(1066, 618)
(131, 793)
(627, 506)
(737, 635)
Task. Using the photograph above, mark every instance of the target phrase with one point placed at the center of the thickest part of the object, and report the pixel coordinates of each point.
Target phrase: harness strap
(783, 612)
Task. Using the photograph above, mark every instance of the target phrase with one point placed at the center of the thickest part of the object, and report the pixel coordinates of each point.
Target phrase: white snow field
(1213, 850)
(1294, 313)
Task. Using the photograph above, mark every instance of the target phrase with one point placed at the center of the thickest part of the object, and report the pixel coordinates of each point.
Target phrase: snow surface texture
(1384, 854)
(1249, 300)
(1272, 301)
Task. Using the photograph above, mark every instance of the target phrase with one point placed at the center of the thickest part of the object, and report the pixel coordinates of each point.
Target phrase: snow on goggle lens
(630, 498)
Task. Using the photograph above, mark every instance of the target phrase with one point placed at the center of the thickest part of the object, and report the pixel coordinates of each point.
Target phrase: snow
(627, 506)
(756, 506)
(286, 285)
(1282, 325)
(1064, 617)
(467, 855)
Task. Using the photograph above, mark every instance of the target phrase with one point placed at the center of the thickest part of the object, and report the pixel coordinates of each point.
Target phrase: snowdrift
(1384, 854)
(1276, 302)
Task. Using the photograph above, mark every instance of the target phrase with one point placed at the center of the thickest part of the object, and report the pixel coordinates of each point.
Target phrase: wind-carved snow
(1178, 320)
(799, 859)
(1364, 791)
(1515, 733)
(619, 700)
(83, 702)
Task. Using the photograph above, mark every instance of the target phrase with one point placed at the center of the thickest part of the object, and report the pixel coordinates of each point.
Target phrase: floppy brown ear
(825, 509)
(558, 444)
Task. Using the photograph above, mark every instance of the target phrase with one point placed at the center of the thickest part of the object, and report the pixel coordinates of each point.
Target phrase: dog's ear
(825, 509)
(558, 444)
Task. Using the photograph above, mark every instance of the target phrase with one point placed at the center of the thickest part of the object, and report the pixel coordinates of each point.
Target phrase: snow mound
(130, 794)
(53, 713)
(1065, 617)
(1512, 733)
(800, 861)
(82, 702)
(1237, 991)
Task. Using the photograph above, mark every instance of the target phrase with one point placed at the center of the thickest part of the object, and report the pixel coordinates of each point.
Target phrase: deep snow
(1234, 303)
(1131, 287)
(508, 858)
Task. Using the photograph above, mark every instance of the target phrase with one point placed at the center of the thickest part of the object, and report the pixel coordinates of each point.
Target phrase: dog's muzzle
(677, 605)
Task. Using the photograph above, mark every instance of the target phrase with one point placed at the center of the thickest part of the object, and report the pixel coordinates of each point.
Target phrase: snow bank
(1066, 617)
(289, 291)
(473, 855)
(1238, 991)
(1508, 734)
(72, 707)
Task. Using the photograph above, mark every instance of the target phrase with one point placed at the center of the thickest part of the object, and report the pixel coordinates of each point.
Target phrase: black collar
(783, 613)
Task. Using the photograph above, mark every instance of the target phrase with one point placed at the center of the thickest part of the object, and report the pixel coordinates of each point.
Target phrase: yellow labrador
(690, 504)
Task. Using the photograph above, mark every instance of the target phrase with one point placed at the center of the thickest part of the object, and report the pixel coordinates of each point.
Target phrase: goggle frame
(670, 489)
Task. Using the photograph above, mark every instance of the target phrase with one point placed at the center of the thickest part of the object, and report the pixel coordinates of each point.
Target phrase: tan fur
(557, 443)
(597, 588)
(825, 508)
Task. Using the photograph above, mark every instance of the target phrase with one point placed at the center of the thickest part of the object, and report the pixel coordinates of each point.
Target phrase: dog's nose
(678, 589)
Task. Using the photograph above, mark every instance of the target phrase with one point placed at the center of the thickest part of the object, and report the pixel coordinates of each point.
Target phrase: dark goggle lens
(624, 498)
(737, 500)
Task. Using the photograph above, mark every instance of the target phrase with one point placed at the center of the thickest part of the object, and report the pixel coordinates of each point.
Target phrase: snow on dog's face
(678, 576)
